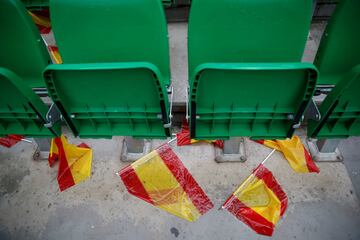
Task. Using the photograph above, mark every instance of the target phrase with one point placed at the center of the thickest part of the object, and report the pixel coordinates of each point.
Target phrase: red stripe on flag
(65, 178)
(264, 174)
(185, 179)
(10, 140)
(133, 184)
(52, 159)
(260, 141)
(310, 162)
(183, 138)
(249, 216)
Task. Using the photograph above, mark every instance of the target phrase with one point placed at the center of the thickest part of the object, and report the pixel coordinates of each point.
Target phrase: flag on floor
(183, 137)
(53, 153)
(259, 202)
(10, 140)
(74, 162)
(161, 179)
(295, 153)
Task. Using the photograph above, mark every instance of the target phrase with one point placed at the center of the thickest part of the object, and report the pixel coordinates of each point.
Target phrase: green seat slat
(21, 110)
(45, 3)
(116, 67)
(246, 78)
(21, 47)
(35, 3)
(339, 50)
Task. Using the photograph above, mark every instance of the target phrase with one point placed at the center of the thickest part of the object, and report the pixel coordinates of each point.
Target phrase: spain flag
(295, 153)
(10, 140)
(74, 162)
(161, 179)
(183, 137)
(259, 202)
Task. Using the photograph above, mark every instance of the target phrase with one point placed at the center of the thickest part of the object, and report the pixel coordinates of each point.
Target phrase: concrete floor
(321, 206)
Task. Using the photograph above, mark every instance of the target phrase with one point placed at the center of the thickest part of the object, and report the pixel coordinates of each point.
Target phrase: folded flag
(55, 55)
(42, 20)
(53, 153)
(183, 137)
(74, 162)
(295, 153)
(259, 202)
(10, 140)
(161, 179)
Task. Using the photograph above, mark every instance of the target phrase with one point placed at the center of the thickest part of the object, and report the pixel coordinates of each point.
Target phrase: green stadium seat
(245, 72)
(115, 71)
(339, 64)
(339, 49)
(21, 47)
(21, 110)
(23, 57)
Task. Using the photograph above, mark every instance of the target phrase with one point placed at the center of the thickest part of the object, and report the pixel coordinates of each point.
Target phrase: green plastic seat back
(261, 101)
(115, 99)
(21, 47)
(339, 49)
(21, 110)
(36, 4)
(104, 31)
(249, 31)
(340, 110)
(246, 78)
(116, 66)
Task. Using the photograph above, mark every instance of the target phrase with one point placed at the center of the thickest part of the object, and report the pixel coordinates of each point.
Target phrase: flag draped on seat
(161, 179)
(259, 202)
(74, 162)
(294, 152)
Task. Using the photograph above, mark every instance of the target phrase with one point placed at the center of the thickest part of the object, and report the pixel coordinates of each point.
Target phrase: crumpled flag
(183, 137)
(74, 162)
(10, 140)
(295, 153)
(259, 202)
(42, 20)
(161, 179)
(55, 55)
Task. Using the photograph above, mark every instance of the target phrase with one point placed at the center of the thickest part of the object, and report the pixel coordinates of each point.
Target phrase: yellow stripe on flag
(257, 196)
(163, 188)
(294, 152)
(40, 20)
(259, 202)
(79, 160)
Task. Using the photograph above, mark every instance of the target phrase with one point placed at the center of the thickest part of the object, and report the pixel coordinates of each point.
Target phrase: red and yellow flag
(42, 20)
(183, 137)
(259, 202)
(10, 140)
(74, 162)
(294, 152)
(55, 55)
(161, 179)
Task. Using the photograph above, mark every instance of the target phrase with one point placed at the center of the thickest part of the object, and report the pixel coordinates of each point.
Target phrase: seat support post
(43, 148)
(133, 149)
(325, 150)
(234, 151)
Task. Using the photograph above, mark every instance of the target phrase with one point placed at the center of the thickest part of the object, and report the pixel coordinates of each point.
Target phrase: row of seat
(246, 77)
